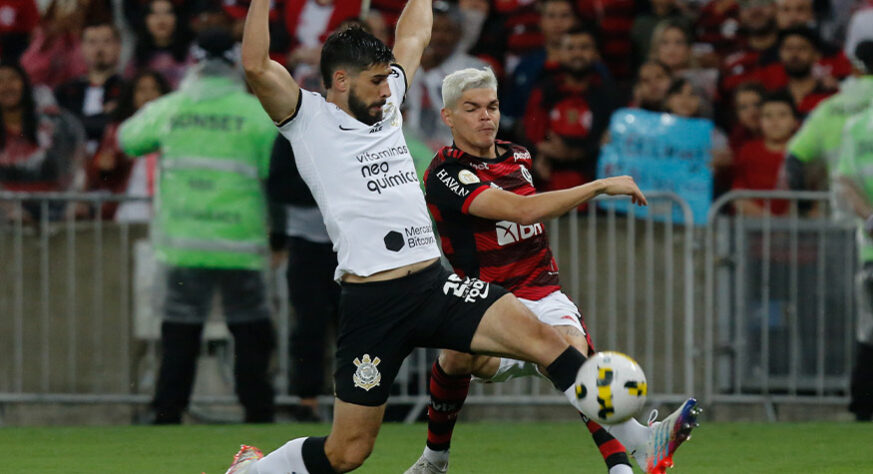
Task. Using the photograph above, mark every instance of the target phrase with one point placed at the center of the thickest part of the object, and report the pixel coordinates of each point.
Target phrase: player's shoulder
(520, 154)
(444, 155)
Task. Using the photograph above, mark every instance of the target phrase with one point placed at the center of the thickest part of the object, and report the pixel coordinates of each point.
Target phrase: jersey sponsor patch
(509, 232)
(467, 177)
(452, 184)
(468, 289)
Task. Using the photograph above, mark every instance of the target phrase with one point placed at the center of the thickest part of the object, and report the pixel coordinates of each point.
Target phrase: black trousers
(315, 298)
(187, 305)
(862, 383)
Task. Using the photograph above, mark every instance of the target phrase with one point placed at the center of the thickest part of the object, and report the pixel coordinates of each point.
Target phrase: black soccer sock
(447, 395)
(562, 371)
(314, 457)
(613, 452)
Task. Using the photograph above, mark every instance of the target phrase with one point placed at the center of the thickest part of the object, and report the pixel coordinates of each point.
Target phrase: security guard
(209, 228)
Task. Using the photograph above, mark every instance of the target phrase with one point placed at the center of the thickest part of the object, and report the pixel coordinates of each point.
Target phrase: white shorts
(555, 310)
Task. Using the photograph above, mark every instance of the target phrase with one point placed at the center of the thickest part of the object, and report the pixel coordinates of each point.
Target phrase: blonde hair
(465, 79)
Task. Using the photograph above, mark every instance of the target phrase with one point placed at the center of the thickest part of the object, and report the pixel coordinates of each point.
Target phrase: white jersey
(363, 179)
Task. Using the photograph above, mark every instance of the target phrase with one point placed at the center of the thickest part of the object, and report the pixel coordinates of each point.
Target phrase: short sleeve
(807, 142)
(297, 123)
(452, 186)
(397, 82)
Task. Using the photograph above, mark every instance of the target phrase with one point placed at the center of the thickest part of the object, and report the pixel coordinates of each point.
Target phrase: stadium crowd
(68, 77)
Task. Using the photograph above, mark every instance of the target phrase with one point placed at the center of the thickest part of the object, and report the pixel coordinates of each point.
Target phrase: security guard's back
(209, 228)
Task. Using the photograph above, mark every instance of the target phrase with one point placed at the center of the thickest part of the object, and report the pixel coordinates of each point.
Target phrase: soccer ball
(610, 388)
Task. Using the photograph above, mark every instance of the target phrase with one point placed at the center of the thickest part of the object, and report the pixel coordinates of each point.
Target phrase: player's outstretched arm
(270, 81)
(497, 204)
(412, 35)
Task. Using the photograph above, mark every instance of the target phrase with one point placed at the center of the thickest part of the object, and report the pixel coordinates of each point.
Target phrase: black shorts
(381, 322)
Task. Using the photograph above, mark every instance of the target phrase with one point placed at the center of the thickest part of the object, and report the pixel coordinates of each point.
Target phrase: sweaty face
(794, 13)
(556, 18)
(748, 106)
(673, 49)
(798, 56)
(474, 119)
(777, 122)
(11, 88)
(161, 22)
(100, 47)
(368, 93)
(578, 53)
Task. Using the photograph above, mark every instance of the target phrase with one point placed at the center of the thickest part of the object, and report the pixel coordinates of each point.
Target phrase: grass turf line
(477, 448)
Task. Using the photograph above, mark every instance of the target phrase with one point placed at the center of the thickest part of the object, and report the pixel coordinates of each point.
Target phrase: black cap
(864, 53)
(215, 43)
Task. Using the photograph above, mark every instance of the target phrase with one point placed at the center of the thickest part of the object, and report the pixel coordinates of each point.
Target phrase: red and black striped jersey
(509, 254)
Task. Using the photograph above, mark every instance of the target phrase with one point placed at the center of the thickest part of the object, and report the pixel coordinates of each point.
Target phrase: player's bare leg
(348, 445)
(449, 382)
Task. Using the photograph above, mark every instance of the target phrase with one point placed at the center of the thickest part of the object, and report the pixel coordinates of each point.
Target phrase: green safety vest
(856, 163)
(822, 132)
(215, 142)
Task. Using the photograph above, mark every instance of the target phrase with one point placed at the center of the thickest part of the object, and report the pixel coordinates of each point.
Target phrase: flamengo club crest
(367, 376)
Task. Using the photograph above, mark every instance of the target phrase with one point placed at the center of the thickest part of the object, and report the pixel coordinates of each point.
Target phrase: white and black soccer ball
(610, 388)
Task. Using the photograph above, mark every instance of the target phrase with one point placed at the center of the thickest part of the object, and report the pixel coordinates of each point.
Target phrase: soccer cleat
(245, 457)
(423, 466)
(666, 437)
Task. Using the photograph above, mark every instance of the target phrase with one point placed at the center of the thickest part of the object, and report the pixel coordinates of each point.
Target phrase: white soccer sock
(631, 434)
(286, 459)
(439, 459)
(621, 469)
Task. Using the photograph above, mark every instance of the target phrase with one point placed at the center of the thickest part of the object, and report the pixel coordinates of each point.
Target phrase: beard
(361, 110)
(798, 71)
(579, 72)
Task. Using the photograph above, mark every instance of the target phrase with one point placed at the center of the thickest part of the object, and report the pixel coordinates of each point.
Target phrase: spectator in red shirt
(746, 121)
(111, 169)
(568, 112)
(758, 29)
(18, 19)
(163, 43)
(614, 19)
(556, 18)
(650, 90)
(41, 145)
(799, 51)
(759, 164)
(717, 26)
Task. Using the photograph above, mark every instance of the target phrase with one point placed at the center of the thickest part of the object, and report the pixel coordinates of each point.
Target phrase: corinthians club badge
(367, 376)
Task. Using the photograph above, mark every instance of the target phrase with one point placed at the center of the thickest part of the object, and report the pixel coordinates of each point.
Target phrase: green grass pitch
(477, 448)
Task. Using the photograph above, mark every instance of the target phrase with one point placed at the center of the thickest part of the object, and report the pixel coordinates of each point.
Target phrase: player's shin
(563, 370)
(447, 395)
(611, 449)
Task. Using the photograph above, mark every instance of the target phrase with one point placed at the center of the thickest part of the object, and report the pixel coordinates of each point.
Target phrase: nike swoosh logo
(345, 129)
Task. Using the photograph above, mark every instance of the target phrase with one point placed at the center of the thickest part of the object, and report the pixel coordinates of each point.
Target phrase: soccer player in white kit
(395, 295)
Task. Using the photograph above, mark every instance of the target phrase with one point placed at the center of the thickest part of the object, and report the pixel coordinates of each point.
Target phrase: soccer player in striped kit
(481, 194)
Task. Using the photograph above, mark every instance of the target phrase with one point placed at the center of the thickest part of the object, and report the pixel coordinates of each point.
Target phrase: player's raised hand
(624, 186)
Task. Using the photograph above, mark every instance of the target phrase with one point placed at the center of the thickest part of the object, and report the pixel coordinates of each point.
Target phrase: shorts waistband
(431, 271)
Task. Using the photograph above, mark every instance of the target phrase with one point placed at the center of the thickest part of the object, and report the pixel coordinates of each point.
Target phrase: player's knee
(352, 455)
(456, 363)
